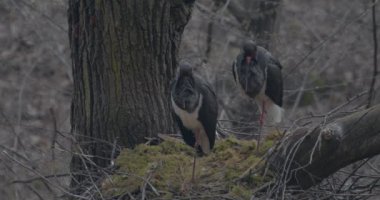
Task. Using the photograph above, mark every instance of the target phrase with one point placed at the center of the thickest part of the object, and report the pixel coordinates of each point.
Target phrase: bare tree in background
(259, 20)
(124, 54)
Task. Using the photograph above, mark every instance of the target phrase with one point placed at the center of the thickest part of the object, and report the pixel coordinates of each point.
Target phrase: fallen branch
(308, 156)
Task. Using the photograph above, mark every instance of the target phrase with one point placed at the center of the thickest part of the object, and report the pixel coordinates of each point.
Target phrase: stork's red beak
(248, 59)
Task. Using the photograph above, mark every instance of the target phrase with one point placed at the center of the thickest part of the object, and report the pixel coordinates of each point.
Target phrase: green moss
(168, 167)
(274, 135)
(241, 192)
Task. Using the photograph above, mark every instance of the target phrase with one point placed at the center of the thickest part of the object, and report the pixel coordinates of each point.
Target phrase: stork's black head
(185, 92)
(249, 51)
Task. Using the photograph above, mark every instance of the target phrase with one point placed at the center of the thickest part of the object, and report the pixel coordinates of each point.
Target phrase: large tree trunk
(306, 157)
(124, 54)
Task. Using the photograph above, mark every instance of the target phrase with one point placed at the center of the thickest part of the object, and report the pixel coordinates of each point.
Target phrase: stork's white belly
(262, 96)
(190, 121)
(274, 113)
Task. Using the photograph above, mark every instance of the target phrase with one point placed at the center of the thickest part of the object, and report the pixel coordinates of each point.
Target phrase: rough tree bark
(123, 56)
(306, 157)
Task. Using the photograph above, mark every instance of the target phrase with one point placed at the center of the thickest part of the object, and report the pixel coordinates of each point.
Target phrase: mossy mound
(164, 171)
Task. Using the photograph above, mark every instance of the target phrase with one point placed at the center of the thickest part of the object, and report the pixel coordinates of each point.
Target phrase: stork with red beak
(258, 74)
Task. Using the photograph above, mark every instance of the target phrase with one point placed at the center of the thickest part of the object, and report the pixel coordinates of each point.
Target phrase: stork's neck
(249, 58)
(178, 107)
(186, 95)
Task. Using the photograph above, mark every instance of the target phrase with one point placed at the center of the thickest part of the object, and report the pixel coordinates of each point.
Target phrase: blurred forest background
(326, 48)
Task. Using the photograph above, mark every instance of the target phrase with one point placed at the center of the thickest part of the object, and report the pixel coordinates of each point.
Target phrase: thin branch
(43, 15)
(303, 85)
(19, 110)
(42, 176)
(331, 36)
(374, 74)
(54, 138)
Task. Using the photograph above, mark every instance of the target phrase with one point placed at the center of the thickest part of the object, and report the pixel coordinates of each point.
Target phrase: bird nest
(164, 171)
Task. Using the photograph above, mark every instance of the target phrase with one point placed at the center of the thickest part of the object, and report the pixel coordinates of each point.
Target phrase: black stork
(258, 74)
(195, 110)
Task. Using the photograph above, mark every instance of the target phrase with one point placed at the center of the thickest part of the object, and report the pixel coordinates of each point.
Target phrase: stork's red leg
(262, 118)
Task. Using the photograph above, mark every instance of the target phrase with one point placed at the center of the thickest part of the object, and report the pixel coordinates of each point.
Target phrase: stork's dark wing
(274, 87)
(187, 134)
(206, 87)
(274, 61)
(236, 67)
(208, 112)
